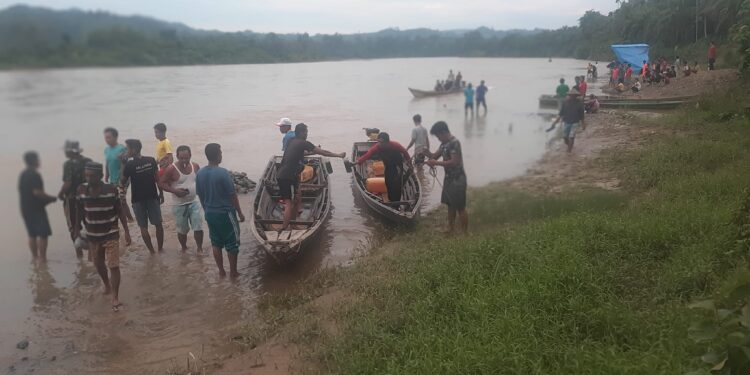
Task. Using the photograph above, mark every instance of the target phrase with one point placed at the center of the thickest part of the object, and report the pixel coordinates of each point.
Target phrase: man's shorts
(454, 192)
(287, 188)
(224, 231)
(109, 249)
(146, 211)
(570, 130)
(187, 216)
(482, 102)
(469, 105)
(37, 224)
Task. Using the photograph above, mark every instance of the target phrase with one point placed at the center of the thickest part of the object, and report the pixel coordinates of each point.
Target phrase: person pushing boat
(290, 169)
(393, 155)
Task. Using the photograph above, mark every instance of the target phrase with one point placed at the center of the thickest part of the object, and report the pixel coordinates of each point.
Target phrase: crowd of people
(452, 83)
(98, 215)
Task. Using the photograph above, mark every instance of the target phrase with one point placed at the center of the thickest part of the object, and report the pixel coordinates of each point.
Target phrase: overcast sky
(346, 16)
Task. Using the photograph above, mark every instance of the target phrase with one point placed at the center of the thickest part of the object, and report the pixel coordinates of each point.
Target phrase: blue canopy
(633, 54)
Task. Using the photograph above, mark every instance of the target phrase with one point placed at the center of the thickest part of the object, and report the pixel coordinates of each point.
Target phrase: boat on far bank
(268, 211)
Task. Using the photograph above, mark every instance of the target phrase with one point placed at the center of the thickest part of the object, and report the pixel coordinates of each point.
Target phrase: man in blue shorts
(33, 203)
(218, 197)
(469, 96)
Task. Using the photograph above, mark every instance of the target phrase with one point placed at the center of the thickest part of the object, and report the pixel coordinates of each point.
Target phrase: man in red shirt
(393, 155)
(615, 75)
(711, 56)
(583, 86)
(628, 74)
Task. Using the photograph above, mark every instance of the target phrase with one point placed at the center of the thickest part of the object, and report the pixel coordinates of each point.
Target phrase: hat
(73, 146)
(284, 122)
(574, 92)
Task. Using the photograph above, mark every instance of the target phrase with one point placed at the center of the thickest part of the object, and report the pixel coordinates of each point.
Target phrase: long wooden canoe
(629, 104)
(425, 94)
(405, 211)
(624, 101)
(268, 211)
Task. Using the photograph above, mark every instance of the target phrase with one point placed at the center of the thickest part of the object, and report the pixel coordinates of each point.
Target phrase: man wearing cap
(285, 127)
(291, 166)
(393, 155)
(571, 114)
(99, 209)
(73, 171)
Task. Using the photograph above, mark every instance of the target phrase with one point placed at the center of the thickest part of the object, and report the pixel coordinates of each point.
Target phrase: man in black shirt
(33, 202)
(291, 167)
(571, 114)
(142, 172)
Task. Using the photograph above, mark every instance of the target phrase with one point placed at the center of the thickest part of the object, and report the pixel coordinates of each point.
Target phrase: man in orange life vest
(393, 155)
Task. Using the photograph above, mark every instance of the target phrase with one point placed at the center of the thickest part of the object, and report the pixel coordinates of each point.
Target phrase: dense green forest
(38, 37)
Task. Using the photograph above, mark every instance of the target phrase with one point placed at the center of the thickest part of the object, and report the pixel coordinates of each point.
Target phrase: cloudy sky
(346, 16)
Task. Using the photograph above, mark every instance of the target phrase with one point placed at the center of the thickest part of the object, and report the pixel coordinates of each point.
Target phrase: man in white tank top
(179, 179)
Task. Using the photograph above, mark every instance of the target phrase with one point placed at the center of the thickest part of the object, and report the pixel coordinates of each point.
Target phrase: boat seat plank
(273, 221)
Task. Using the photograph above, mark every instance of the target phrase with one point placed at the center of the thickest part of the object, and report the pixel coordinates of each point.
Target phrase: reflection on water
(174, 302)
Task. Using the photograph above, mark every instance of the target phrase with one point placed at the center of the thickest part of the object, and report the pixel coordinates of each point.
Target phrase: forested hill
(39, 37)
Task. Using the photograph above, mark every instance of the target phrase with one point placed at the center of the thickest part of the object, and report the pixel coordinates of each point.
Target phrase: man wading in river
(179, 179)
(142, 172)
(73, 171)
(215, 188)
(291, 166)
(99, 209)
(33, 203)
(454, 183)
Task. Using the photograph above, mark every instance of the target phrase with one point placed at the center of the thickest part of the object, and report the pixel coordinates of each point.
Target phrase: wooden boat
(629, 104)
(605, 101)
(427, 94)
(268, 211)
(405, 211)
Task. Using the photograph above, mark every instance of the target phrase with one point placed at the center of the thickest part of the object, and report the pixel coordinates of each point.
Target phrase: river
(175, 303)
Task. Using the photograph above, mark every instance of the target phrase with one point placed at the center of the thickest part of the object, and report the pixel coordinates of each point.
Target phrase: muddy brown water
(174, 302)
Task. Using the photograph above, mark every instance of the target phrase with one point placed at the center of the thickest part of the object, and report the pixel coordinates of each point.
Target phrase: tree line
(38, 37)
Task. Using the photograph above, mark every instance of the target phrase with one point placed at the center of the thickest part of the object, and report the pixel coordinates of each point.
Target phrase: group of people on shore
(96, 209)
(97, 212)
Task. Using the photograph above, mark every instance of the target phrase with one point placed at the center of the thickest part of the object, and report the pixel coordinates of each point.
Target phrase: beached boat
(426, 94)
(633, 104)
(268, 211)
(405, 211)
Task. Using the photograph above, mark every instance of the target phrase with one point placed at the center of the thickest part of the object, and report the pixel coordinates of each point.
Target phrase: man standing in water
(114, 158)
(163, 148)
(142, 172)
(179, 179)
(393, 156)
(481, 92)
(571, 114)
(469, 96)
(99, 209)
(419, 139)
(73, 171)
(291, 166)
(218, 197)
(285, 127)
(454, 183)
(33, 203)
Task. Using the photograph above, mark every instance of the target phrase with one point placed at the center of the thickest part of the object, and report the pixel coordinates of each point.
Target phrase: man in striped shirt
(99, 209)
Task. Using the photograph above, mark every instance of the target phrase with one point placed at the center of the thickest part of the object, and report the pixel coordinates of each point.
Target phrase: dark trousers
(711, 63)
(393, 182)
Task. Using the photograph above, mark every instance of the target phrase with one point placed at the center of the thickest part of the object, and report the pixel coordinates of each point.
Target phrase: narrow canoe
(268, 211)
(617, 101)
(426, 94)
(405, 211)
(665, 104)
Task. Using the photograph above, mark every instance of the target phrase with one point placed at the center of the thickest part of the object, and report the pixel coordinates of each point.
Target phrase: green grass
(591, 283)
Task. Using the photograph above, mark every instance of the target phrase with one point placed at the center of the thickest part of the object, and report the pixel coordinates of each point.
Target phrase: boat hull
(426, 94)
(408, 212)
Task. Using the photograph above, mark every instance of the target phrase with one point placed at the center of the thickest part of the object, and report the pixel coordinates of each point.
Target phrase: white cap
(284, 122)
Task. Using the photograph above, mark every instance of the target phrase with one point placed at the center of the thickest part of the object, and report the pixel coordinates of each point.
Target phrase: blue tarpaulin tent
(633, 54)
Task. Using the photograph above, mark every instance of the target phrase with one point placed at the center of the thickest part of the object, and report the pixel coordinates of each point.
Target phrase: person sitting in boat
(459, 79)
(592, 105)
(372, 134)
(451, 77)
(447, 85)
(290, 169)
(393, 155)
(438, 86)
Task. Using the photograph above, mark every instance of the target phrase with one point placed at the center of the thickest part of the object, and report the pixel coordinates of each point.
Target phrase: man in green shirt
(562, 89)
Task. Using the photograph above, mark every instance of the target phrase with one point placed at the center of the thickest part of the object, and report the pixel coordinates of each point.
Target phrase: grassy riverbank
(589, 282)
